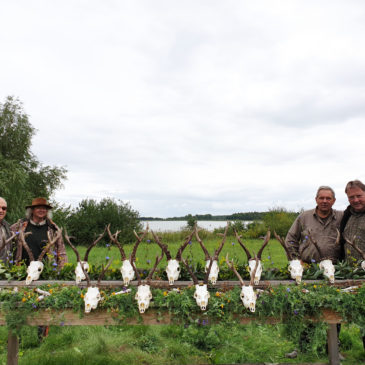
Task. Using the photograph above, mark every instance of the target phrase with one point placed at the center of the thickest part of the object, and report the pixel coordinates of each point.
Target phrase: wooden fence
(46, 317)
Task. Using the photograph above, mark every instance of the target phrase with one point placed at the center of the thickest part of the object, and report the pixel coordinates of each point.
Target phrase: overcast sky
(194, 106)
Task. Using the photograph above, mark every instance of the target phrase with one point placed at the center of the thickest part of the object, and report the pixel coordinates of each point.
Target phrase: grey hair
(324, 187)
(355, 184)
(1, 198)
(29, 213)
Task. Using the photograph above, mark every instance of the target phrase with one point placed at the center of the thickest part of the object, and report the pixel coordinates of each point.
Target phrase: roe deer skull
(143, 297)
(248, 297)
(34, 271)
(296, 270)
(79, 272)
(201, 296)
(328, 270)
(91, 298)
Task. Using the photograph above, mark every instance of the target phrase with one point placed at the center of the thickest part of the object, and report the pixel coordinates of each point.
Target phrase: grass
(171, 344)
(273, 255)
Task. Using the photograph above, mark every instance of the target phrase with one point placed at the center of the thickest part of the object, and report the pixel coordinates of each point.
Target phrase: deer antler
(252, 281)
(207, 256)
(183, 246)
(114, 238)
(51, 242)
(86, 257)
(231, 266)
(353, 245)
(243, 246)
(282, 242)
(136, 272)
(158, 260)
(195, 279)
(103, 271)
(163, 247)
(4, 241)
(78, 258)
(266, 241)
(224, 236)
(139, 240)
(25, 245)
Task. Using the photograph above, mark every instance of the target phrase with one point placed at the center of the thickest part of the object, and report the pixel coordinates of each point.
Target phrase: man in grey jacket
(322, 223)
(5, 233)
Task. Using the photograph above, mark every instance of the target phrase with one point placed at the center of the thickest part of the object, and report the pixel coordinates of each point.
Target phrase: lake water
(173, 226)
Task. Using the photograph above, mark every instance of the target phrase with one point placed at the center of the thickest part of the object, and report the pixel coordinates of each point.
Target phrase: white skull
(34, 271)
(213, 275)
(201, 296)
(127, 272)
(251, 265)
(172, 270)
(363, 264)
(328, 270)
(92, 298)
(143, 297)
(79, 273)
(296, 270)
(248, 297)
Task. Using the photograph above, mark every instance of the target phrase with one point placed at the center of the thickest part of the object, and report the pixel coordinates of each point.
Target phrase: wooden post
(13, 348)
(332, 339)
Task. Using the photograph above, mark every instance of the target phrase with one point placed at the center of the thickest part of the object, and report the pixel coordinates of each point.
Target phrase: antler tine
(315, 244)
(195, 280)
(103, 272)
(13, 235)
(207, 256)
(183, 246)
(282, 242)
(139, 240)
(86, 257)
(243, 246)
(353, 244)
(163, 247)
(252, 281)
(137, 273)
(114, 238)
(51, 242)
(67, 238)
(266, 241)
(158, 260)
(218, 251)
(231, 266)
(25, 245)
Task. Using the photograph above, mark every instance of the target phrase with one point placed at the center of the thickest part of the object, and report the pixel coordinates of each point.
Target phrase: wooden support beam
(13, 348)
(332, 339)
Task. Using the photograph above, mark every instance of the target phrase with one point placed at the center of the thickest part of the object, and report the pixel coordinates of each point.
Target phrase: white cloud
(191, 107)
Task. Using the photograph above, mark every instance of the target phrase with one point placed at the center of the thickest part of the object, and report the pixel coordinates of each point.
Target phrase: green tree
(89, 219)
(279, 219)
(22, 176)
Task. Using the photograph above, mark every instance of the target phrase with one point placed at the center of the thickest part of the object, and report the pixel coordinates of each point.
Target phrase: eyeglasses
(4, 208)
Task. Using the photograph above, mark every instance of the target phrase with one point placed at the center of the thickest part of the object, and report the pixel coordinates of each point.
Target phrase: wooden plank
(13, 348)
(225, 284)
(67, 317)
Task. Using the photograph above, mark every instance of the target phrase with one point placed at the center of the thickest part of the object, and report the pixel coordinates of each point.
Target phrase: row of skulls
(201, 295)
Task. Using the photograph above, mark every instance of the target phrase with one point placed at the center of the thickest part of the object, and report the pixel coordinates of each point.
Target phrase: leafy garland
(290, 304)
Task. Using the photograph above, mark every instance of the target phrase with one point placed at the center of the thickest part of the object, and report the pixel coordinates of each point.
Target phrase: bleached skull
(213, 275)
(251, 265)
(363, 264)
(201, 296)
(328, 270)
(79, 273)
(248, 297)
(296, 270)
(173, 270)
(127, 272)
(92, 298)
(143, 297)
(34, 271)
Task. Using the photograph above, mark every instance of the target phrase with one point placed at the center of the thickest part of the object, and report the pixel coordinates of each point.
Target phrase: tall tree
(22, 176)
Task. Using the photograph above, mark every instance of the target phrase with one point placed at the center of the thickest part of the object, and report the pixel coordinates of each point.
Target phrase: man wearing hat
(5, 233)
(38, 222)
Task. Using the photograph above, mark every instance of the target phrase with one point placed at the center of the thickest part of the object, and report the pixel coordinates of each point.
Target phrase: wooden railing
(67, 317)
